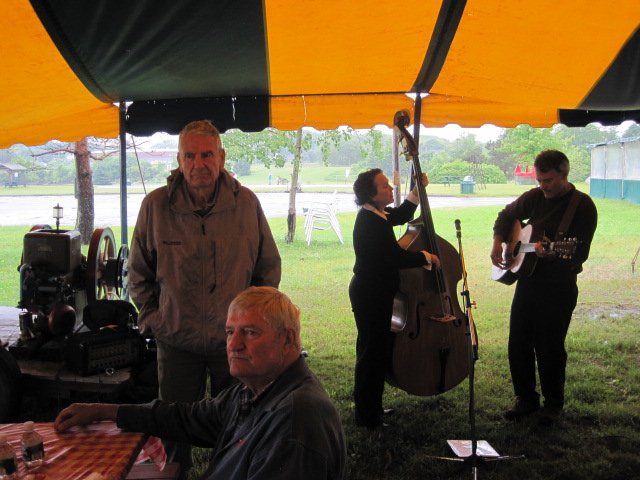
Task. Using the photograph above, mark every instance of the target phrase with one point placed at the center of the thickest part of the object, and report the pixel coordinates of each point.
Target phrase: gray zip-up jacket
(184, 269)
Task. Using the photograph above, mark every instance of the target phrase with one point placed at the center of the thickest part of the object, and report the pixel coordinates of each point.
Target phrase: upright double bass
(430, 353)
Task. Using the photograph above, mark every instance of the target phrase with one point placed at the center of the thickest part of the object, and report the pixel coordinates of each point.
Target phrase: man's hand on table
(83, 414)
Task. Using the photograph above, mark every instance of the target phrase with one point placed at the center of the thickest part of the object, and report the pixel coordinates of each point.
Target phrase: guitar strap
(568, 215)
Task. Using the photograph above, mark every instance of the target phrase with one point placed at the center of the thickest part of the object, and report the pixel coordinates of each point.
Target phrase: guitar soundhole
(516, 249)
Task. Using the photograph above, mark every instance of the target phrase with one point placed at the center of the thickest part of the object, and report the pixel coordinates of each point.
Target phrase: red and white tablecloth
(99, 451)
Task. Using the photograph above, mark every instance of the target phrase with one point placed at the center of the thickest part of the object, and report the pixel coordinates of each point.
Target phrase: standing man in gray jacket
(198, 242)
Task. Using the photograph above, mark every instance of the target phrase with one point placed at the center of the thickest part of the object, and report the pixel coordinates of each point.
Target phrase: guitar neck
(527, 248)
(549, 247)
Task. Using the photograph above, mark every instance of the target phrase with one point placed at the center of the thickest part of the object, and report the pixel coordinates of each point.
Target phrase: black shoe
(387, 412)
(380, 426)
(549, 416)
(521, 409)
(374, 426)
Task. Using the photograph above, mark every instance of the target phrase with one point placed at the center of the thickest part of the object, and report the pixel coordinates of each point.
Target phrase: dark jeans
(540, 315)
(372, 309)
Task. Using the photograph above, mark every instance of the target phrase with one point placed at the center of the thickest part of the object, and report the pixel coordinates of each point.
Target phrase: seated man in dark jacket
(278, 423)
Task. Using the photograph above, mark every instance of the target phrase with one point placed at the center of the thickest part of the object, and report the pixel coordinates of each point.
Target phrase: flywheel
(104, 276)
(122, 273)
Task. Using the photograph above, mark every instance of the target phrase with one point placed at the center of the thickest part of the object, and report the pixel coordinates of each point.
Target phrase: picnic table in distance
(449, 179)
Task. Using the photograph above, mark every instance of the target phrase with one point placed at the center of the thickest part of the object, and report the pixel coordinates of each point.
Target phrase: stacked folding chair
(322, 216)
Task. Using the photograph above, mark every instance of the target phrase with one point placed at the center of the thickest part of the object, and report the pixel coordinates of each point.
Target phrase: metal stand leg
(474, 460)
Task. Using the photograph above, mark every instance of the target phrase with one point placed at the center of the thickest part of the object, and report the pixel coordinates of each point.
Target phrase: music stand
(472, 452)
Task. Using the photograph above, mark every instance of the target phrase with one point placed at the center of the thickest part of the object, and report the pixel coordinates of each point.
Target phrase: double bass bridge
(439, 317)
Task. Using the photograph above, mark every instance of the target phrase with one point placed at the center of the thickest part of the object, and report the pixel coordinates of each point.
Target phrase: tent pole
(416, 128)
(417, 117)
(395, 162)
(123, 174)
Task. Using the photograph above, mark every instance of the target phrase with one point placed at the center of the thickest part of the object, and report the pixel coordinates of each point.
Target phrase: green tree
(430, 144)
(348, 153)
(268, 147)
(375, 151)
(107, 171)
(502, 160)
(275, 147)
(524, 142)
(60, 172)
(492, 174)
(467, 149)
(582, 137)
(242, 168)
(459, 168)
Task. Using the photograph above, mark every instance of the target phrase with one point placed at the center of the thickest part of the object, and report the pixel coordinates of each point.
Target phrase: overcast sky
(452, 132)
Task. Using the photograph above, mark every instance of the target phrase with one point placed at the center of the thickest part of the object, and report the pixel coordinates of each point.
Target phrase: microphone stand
(473, 460)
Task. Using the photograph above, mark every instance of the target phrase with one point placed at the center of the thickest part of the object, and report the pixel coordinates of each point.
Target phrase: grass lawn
(599, 435)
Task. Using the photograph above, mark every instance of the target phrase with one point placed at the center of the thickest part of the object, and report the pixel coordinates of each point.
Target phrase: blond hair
(277, 309)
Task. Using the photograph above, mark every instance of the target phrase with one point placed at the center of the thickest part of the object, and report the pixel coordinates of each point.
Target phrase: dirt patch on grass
(606, 310)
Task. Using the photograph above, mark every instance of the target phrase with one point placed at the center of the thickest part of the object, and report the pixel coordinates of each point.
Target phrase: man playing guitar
(545, 297)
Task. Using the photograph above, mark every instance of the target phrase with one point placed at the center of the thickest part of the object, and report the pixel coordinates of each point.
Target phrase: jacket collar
(371, 208)
(224, 199)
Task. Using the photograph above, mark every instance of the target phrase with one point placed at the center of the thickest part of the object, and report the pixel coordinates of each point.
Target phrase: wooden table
(98, 451)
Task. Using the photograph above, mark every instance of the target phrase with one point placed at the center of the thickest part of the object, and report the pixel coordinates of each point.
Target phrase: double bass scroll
(430, 347)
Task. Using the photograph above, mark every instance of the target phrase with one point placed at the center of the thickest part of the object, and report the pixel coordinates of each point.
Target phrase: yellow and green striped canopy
(251, 64)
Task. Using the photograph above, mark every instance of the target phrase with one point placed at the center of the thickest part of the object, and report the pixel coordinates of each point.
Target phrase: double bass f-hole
(414, 335)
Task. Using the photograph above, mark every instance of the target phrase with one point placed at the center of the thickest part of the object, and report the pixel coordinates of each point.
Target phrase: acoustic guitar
(520, 246)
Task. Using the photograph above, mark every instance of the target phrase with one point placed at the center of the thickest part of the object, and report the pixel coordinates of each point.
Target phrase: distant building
(615, 169)
(15, 174)
(159, 156)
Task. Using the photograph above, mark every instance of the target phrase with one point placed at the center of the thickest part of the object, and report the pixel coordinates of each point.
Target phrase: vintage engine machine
(75, 321)
(57, 284)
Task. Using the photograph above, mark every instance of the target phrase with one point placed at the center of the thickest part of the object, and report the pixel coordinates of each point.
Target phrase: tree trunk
(291, 216)
(84, 183)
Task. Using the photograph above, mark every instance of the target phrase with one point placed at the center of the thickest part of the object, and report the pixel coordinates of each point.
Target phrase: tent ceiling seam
(443, 34)
(66, 49)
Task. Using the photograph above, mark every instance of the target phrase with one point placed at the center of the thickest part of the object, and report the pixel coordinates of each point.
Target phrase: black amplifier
(97, 351)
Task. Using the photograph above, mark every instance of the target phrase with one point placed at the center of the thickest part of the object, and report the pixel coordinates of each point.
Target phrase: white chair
(322, 216)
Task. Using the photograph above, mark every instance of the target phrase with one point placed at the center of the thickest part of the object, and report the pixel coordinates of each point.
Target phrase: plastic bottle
(8, 462)
(32, 447)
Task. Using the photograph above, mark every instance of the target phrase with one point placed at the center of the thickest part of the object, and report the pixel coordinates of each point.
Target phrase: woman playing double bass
(374, 284)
